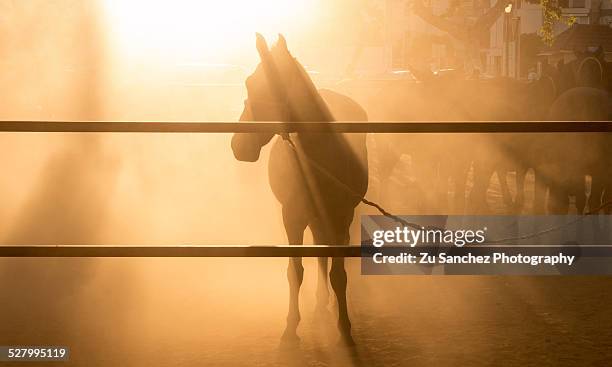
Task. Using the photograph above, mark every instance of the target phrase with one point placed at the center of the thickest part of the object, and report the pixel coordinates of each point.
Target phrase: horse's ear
(282, 43)
(262, 46)
(281, 46)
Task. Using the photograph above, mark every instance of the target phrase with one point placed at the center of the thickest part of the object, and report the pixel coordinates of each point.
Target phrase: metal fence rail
(180, 251)
(312, 127)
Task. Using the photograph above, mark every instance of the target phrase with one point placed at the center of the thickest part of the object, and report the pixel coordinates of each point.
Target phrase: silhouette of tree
(552, 11)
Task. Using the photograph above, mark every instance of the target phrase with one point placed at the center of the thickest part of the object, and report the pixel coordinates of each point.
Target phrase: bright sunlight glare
(197, 29)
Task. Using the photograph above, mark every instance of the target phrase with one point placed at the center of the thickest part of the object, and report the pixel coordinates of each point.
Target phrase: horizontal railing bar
(47, 251)
(312, 127)
(180, 251)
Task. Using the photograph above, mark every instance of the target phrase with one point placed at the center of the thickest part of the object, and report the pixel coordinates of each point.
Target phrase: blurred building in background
(468, 35)
(579, 37)
(486, 36)
(592, 29)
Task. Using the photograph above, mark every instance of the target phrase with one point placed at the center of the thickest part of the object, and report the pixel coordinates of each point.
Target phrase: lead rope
(384, 212)
(559, 227)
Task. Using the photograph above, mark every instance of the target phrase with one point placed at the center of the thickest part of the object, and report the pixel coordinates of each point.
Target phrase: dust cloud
(58, 62)
(135, 189)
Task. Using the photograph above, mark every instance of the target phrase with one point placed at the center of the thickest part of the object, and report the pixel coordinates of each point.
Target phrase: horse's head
(265, 90)
(278, 90)
(588, 69)
(267, 85)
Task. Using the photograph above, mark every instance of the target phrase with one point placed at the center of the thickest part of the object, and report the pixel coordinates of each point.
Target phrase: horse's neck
(307, 102)
(312, 107)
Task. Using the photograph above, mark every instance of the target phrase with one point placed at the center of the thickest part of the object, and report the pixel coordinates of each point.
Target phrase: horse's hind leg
(597, 190)
(542, 184)
(521, 177)
(482, 177)
(558, 200)
(502, 177)
(607, 208)
(459, 181)
(321, 237)
(579, 190)
(295, 225)
(338, 280)
(335, 230)
(595, 202)
(322, 288)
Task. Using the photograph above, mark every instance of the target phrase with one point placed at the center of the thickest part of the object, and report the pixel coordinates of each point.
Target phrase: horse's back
(343, 107)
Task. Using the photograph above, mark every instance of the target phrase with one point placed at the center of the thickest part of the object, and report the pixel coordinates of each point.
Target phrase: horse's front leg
(295, 225)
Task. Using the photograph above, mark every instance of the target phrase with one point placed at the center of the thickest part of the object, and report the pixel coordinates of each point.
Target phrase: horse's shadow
(296, 355)
(320, 347)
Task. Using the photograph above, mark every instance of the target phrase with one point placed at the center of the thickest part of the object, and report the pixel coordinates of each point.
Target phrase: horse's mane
(311, 94)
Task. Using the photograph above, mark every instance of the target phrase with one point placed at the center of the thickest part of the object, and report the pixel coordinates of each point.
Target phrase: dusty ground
(172, 312)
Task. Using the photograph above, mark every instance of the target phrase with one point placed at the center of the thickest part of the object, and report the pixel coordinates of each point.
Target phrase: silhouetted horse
(571, 157)
(503, 99)
(438, 157)
(584, 86)
(280, 90)
(435, 157)
(587, 69)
